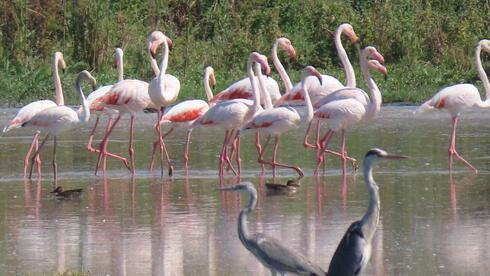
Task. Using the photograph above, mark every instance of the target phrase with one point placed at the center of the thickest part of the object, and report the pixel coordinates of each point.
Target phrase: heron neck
(288, 85)
(263, 87)
(370, 219)
(255, 89)
(243, 232)
(349, 70)
(482, 74)
(57, 82)
(207, 88)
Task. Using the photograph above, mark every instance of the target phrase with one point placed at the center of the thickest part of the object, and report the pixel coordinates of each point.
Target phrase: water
(431, 223)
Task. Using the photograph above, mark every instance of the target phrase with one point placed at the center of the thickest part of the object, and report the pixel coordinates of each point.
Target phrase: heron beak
(229, 188)
(390, 156)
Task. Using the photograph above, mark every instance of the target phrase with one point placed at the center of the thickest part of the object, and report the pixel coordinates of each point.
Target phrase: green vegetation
(427, 44)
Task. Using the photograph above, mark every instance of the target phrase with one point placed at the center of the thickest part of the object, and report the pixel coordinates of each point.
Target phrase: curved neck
(481, 72)
(288, 86)
(243, 232)
(85, 116)
(376, 98)
(255, 90)
(306, 96)
(120, 68)
(207, 88)
(370, 219)
(163, 67)
(57, 82)
(263, 87)
(349, 70)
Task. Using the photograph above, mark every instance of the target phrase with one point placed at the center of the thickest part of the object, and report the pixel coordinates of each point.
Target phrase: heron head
(286, 46)
(377, 154)
(240, 187)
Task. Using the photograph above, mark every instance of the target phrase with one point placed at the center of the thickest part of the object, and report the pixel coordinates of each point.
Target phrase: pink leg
(274, 162)
(55, 165)
(38, 159)
(238, 159)
(452, 148)
(231, 139)
(222, 153)
(307, 133)
(28, 154)
(344, 153)
(131, 146)
(91, 136)
(186, 149)
(103, 144)
(36, 154)
(324, 142)
(259, 151)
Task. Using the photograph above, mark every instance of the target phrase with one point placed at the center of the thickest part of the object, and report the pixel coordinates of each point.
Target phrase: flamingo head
(59, 60)
(376, 65)
(371, 52)
(286, 46)
(348, 30)
(155, 39)
(209, 71)
(311, 71)
(118, 57)
(262, 60)
(485, 45)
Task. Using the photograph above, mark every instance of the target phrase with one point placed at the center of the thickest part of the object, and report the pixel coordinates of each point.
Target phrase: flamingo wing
(186, 111)
(27, 112)
(127, 96)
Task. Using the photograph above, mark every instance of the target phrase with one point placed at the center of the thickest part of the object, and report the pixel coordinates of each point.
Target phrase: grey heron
(269, 251)
(354, 250)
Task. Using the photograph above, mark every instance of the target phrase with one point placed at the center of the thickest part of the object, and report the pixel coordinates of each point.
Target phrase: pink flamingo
(347, 111)
(27, 112)
(60, 118)
(232, 114)
(242, 89)
(163, 91)
(456, 98)
(329, 83)
(352, 93)
(275, 121)
(183, 114)
(98, 109)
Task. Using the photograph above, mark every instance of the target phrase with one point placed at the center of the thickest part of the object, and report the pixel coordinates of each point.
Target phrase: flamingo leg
(306, 144)
(103, 145)
(232, 140)
(344, 153)
(110, 154)
(222, 153)
(91, 136)
(274, 162)
(238, 159)
(28, 154)
(259, 151)
(37, 153)
(131, 146)
(38, 158)
(55, 165)
(186, 149)
(452, 149)
(324, 142)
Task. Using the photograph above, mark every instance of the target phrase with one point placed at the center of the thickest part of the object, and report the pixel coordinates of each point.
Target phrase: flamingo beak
(377, 56)
(212, 80)
(170, 43)
(153, 48)
(292, 54)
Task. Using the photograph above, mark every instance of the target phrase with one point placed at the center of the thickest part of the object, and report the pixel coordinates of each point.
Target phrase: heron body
(269, 251)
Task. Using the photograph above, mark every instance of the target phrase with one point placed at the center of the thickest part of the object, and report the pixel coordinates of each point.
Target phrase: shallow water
(432, 223)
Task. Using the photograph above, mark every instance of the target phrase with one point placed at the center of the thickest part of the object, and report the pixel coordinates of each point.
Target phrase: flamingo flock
(252, 104)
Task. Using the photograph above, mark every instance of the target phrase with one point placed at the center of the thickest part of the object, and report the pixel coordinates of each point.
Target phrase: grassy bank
(426, 45)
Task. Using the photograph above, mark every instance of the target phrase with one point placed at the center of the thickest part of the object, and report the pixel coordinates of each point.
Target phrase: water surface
(432, 223)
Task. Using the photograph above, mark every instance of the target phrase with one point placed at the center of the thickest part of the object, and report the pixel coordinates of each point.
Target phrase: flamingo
(27, 112)
(347, 111)
(61, 118)
(275, 121)
(163, 91)
(183, 115)
(98, 109)
(352, 93)
(329, 83)
(459, 97)
(242, 89)
(232, 114)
